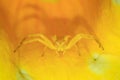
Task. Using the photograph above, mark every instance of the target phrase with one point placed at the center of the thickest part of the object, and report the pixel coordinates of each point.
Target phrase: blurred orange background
(19, 18)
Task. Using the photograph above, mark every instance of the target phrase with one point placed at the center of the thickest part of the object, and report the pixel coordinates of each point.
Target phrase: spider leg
(99, 43)
(87, 36)
(43, 39)
(21, 43)
(43, 52)
(24, 41)
(57, 53)
(41, 36)
(77, 47)
(78, 37)
(33, 38)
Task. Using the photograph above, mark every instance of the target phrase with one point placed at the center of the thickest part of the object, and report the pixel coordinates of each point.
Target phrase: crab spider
(60, 46)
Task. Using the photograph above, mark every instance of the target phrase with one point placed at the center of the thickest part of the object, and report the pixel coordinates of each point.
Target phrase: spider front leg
(37, 38)
(25, 41)
(43, 52)
(21, 43)
(87, 36)
(100, 45)
(80, 36)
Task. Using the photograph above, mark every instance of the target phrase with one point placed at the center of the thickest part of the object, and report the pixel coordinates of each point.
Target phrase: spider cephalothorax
(60, 44)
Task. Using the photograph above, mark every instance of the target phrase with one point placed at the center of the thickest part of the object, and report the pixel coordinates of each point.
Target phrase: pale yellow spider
(60, 46)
